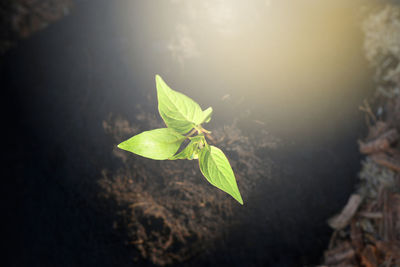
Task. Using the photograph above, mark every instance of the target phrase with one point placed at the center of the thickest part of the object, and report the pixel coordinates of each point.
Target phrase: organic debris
(22, 18)
(343, 219)
(168, 210)
(382, 143)
(367, 231)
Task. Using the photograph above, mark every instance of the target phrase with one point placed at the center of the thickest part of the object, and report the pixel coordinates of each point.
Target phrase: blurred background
(285, 80)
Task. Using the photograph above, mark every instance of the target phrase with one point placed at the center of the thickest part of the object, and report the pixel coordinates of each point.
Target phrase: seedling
(184, 118)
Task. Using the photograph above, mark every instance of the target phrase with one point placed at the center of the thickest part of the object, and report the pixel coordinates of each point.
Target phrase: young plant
(184, 119)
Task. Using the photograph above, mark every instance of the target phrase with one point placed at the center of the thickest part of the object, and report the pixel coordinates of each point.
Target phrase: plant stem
(193, 131)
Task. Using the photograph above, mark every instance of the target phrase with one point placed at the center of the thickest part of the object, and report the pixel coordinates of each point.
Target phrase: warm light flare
(296, 57)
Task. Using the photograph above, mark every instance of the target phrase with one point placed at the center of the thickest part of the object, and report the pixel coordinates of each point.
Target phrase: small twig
(371, 215)
(211, 138)
(367, 109)
(382, 143)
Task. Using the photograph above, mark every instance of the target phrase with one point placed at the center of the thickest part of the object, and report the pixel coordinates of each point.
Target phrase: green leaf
(178, 111)
(206, 115)
(216, 168)
(188, 152)
(156, 144)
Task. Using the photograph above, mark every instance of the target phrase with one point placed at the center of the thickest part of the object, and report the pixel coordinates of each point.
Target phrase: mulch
(367, 230)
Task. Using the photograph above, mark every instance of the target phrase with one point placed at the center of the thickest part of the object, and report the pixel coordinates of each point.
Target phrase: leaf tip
(120, 145)
(158, 78)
